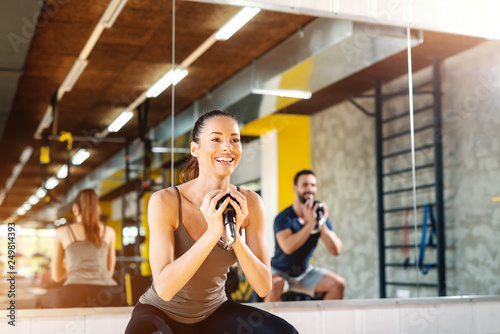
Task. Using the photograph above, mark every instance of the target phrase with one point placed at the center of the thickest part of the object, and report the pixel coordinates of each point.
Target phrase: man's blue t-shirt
(297, 262)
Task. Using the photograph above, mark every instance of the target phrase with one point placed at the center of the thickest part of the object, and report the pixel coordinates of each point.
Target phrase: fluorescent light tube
(33, 200)
(73, 75)
(79, 157)
(25, 156)
(238, 21)
(25, 206)
(40, 193)
(171, 78)
(51, 183)
(299, 94)
(20, 212)
(111, 14)
(62, 173)
(44, 123)
(120, 121)
(169, 149)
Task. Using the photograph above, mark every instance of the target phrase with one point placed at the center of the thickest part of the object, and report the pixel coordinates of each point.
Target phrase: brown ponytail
(191, 171)
(88, 206)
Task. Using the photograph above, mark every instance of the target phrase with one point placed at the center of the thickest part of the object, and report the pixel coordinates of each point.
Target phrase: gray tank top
(87, 263)
(204, 292)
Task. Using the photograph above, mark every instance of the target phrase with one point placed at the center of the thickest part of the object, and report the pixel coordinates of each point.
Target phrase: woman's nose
(226, 145)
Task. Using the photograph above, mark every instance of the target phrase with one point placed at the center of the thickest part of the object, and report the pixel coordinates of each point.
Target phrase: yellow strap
(128, 289)
(66, 136)
(44, 155)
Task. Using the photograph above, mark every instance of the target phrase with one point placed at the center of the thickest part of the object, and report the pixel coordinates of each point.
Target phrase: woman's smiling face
(219, 146)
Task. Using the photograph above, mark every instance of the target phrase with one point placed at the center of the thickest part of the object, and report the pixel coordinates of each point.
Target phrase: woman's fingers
(208, 199)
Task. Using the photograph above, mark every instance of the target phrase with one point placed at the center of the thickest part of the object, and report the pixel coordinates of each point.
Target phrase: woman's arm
(111, 251)
(253, 255)
(169, 275)
(58, 269)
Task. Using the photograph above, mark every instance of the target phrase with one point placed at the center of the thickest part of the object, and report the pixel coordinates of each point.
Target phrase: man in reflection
(297, 232)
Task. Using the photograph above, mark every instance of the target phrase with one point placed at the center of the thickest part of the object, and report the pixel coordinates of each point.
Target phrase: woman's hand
(241, 209)
(213, 216)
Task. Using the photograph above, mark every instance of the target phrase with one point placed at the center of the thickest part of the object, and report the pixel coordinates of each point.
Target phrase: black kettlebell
(229, 221)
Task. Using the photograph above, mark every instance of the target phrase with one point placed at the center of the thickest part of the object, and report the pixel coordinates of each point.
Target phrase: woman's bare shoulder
(163, 196)
(249, 194)
(163, 207)
(61, 231)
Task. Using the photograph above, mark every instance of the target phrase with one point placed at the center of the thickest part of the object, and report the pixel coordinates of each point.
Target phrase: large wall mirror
(425, 157)
(407, 160)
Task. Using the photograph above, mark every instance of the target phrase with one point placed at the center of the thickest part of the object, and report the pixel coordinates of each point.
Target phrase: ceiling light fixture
(44, 123)
(120, 121)
(20, 212)
(40, 193)
(62, 173)
(25, 156)
(25, 206)
(80, 157)
(171, 78)
(168, 150)
(299, 94)
(33, 200)
(235, 24)
(51, 183)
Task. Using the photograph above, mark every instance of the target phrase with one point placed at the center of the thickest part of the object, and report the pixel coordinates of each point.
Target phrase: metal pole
(412, 139)
(380, 187)
(172, 170)
(438, 169)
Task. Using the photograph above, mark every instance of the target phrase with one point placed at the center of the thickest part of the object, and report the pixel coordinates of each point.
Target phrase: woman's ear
(75, 209)
(194, 149)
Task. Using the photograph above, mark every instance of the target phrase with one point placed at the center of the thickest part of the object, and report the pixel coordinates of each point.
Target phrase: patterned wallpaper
(343, 157)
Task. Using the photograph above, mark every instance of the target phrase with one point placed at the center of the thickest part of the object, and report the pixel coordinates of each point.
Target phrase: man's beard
(303, 199)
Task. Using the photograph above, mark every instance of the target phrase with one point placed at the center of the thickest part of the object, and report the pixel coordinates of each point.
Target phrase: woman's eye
(236, 140)
(215, 139)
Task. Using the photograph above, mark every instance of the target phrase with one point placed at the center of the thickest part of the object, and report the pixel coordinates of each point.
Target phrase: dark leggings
(82, 295)
(230, 317)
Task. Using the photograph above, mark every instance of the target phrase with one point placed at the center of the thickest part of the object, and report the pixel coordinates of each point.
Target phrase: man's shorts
(305, 283)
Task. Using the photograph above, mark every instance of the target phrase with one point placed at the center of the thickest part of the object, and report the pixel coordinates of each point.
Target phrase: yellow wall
(296, 78)
(106, 209)
(144, 247)
(293, 148)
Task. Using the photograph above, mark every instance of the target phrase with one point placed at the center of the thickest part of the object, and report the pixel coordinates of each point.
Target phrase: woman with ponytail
(84, 255)
(188, 246)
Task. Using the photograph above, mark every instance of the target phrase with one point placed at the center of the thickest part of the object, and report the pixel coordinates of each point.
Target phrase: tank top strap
(103, 230)
(180, 206)
(72, 235)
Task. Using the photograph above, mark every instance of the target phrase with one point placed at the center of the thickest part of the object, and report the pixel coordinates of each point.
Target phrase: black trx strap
(406, 256)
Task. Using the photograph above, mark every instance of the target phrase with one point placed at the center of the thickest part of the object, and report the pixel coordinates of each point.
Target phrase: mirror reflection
(323, 94)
